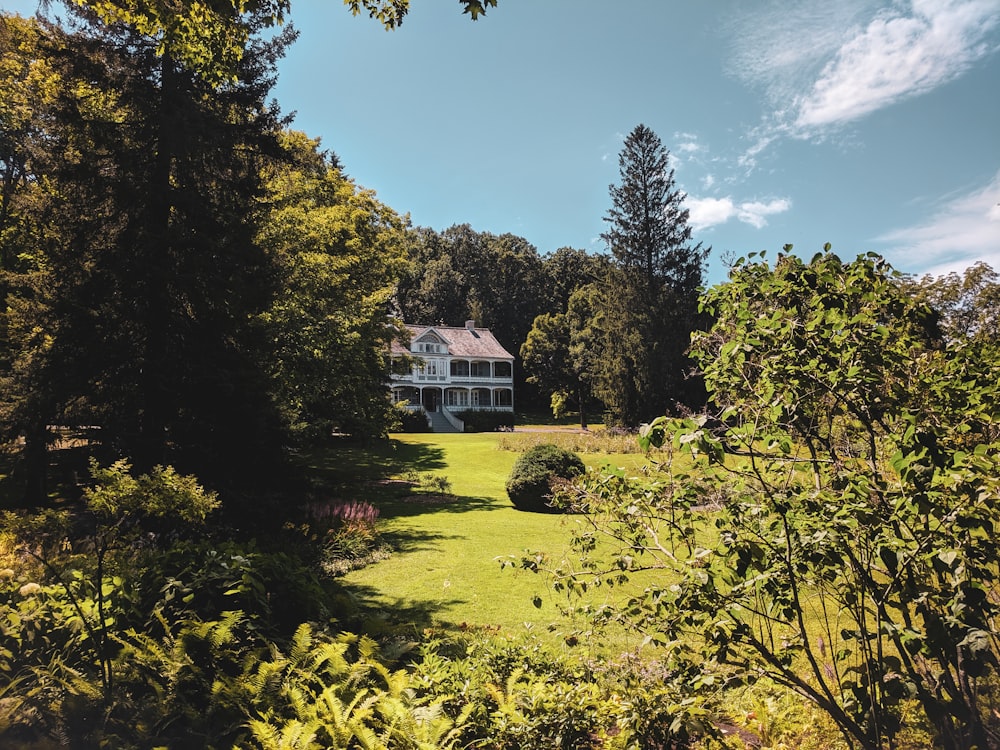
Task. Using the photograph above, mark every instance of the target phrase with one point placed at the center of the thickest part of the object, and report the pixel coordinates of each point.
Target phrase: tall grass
(598, 441)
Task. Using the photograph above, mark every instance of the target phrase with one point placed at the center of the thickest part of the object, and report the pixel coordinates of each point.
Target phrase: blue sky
(872, 126)
(869, 125)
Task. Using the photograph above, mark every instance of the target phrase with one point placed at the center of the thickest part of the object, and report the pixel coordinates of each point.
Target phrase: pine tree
(151, 267)
(651, 295)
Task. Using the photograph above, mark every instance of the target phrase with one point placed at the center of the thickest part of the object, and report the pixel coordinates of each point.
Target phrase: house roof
(462, 342)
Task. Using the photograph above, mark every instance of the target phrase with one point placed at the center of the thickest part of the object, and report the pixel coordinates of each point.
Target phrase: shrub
(531, 480)
(409, 420)
(347, 531)
(506, 693)
(487, 421)
(430, 483)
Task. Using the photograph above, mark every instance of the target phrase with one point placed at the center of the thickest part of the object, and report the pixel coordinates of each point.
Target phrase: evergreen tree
(651, 292)
(141, 325)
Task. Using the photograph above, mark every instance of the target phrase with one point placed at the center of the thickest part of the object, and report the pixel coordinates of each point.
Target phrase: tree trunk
(36, 465)
(154, 397)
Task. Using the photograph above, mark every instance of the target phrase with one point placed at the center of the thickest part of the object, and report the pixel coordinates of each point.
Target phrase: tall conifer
(651, 294)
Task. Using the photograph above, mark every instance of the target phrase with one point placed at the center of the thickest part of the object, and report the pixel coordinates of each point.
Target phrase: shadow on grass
(410, 539)
(377, 614)
(402, 541)
(350, 463)
(419, 504)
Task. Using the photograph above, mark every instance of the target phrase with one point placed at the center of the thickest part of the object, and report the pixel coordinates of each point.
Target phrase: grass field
(445, 571)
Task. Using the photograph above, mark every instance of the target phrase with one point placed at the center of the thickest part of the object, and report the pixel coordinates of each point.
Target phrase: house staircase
(440, 423)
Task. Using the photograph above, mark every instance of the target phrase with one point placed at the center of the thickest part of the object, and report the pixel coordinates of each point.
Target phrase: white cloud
(898, 56)
(781, 46)
(762, 138)
(822, 65)
(755, 213)
(709, 212)
(966, 229)
(687, 143)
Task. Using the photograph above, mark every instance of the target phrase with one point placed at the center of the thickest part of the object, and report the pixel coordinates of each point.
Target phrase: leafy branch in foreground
(119, 510)
(850, 556)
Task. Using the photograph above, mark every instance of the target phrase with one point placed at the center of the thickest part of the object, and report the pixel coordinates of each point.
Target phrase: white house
(454, 369)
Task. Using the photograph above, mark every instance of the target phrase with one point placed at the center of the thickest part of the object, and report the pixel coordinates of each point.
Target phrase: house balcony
(470, 380)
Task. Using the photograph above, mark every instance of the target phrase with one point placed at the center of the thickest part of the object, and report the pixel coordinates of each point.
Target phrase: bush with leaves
(404, 419)
(536, 472)
(347, 531)
(481, 420)
(852, 559)
(338, 692)
(61, 634)
(509, 693)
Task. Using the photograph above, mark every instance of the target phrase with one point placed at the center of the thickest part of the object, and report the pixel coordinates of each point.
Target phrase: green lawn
(445, 571)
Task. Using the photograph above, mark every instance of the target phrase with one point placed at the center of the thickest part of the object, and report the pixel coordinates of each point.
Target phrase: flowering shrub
(348, 532)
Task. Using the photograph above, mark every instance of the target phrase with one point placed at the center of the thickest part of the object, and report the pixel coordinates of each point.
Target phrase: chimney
(470, 324)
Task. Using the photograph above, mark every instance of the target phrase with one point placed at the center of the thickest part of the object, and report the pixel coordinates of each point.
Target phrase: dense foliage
(479, 420)
(855, 478)
(183, 278)
(137, 273)
(337, 253)
(620, 332)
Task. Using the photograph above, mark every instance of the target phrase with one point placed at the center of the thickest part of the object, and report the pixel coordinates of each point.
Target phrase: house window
(431, 367)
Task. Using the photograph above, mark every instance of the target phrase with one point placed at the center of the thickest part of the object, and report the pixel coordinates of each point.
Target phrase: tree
(545, 354)
(505, 288)
(28, 86)
(152, 273)
(210, 39)
(390, 13)
(339, 253)
(562, 351)
(556, 352)
(567, 270)
(649, 235)
(652, 287)
(968, 303)
(851, 556)
(435, 288)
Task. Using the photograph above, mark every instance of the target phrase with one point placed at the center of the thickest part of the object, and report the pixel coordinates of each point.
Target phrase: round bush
(530, 483)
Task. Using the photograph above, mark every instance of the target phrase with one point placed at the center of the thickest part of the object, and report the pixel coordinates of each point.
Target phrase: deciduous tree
(851, 556)
(339, 253)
